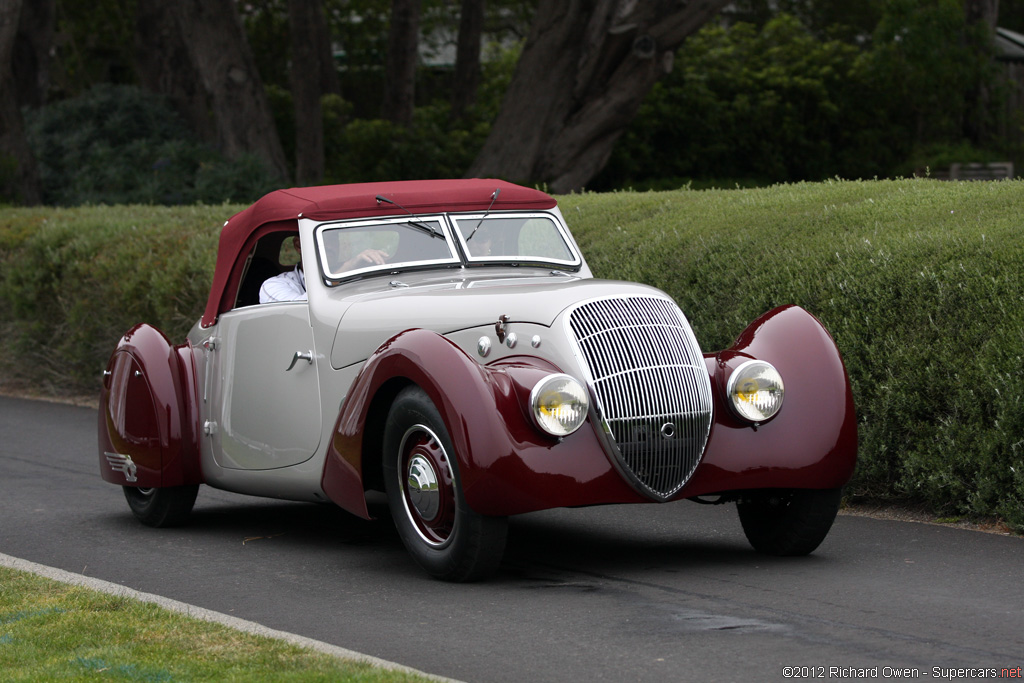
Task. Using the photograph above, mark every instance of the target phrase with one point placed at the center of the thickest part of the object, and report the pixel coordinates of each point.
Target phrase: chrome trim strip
(575, 262)
(329, 226)
(123, 464)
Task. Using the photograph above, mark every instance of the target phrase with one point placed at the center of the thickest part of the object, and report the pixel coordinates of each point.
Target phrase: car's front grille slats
(651, 384)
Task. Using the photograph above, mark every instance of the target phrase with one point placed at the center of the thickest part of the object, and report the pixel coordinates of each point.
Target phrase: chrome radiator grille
(652, 387)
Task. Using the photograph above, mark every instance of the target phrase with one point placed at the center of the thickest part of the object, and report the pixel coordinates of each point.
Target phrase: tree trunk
(217, 44)
(981, 17)
(165, 65)
(18, 179)
(305, 17)
(31, 58)
(403, 53)
(466, 78)
(324, 51)
(583, 73)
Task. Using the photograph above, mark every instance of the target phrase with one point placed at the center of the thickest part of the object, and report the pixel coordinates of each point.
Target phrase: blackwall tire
(421, 475)
(161, 507)
(788, 522)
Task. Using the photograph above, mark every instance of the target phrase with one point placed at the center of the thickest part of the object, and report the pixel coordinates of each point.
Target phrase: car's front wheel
(161, 507)
(788, 522)
(421, 475)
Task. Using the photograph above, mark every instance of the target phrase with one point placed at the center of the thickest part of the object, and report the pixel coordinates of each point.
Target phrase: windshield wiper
(417, 223)
(494, 196)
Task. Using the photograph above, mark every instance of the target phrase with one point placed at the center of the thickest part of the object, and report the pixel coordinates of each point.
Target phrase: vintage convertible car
(455, 353)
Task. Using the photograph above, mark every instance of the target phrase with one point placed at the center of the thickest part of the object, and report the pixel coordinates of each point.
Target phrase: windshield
(525, 238)
(351, 249)
(360, 247)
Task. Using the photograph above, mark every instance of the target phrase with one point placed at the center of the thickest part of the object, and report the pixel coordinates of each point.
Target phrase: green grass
(55, 631)
(920, 282)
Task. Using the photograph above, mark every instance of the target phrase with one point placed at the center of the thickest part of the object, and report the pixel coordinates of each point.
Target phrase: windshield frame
(480, 217)
(457, 246)
(333, 278)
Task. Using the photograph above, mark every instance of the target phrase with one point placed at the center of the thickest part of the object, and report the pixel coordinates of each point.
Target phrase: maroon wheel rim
(428, 487)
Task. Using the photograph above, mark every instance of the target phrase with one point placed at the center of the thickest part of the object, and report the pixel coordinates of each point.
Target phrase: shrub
(920, 282)
(73, 280)
(376, 149)
(122, 145)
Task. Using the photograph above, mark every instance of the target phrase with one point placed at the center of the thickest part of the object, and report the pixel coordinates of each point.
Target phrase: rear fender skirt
(148, 429)
(811, 442)
(506, 465)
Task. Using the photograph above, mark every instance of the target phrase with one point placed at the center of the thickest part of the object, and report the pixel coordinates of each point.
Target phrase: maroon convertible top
(278, 209)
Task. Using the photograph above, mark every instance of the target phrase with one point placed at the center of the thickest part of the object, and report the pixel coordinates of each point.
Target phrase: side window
(272, 255)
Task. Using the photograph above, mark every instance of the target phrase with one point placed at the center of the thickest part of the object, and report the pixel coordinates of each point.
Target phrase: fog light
(559, 405)
(756, 391)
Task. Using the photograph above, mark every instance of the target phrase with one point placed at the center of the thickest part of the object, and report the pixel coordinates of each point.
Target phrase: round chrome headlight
(558, 404)
(755, 390)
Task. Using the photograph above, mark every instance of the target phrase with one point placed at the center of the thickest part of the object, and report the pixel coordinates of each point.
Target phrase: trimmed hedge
(919, 281)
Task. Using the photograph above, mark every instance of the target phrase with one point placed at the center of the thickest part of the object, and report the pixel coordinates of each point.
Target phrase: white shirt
(288, 286)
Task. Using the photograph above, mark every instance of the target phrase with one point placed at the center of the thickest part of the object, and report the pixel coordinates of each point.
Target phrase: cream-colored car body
(273, 377)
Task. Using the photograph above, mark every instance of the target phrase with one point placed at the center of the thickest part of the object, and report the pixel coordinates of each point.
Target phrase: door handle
(301, 355)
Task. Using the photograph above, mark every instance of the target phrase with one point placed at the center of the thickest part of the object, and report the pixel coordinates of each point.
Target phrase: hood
(448, 307)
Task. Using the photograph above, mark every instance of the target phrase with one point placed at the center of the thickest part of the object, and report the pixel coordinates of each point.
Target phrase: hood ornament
(500, 328)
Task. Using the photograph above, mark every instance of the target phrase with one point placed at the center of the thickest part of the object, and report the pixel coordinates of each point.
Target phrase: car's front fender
(811, 442)
(507, 466)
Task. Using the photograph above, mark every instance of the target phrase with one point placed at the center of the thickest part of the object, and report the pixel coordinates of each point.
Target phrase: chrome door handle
(301, 355)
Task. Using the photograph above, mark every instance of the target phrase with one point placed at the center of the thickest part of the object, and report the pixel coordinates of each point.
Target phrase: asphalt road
(620, 593)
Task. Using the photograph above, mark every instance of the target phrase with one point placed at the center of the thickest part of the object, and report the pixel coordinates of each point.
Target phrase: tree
(466, 77)
(228, 73)
(31, 58)
(165, 65)
(584, 71)
(403, 53)
(311, 74)
(981, 17)
(18, 179)
(747, 105)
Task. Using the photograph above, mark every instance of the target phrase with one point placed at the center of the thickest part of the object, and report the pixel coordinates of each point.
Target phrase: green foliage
(95, 45)
(435, 146)
(9, 171)
(782, 102)
(376, 149)
(920, 282)
(924, 64)
(73, 280)
(119, 144)
(741, 104)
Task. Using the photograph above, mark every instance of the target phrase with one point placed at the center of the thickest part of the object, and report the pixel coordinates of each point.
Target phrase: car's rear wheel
(788, 522)
(161, 507)
(421, 475)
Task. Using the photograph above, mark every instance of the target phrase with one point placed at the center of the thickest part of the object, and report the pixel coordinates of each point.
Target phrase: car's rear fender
(148, 418)
(507, 466)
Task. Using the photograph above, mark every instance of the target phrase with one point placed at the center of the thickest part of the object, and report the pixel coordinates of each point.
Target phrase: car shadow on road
(542, 548)
(302, 523)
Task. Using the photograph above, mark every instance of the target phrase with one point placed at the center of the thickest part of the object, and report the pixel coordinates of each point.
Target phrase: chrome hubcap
(421, 483)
